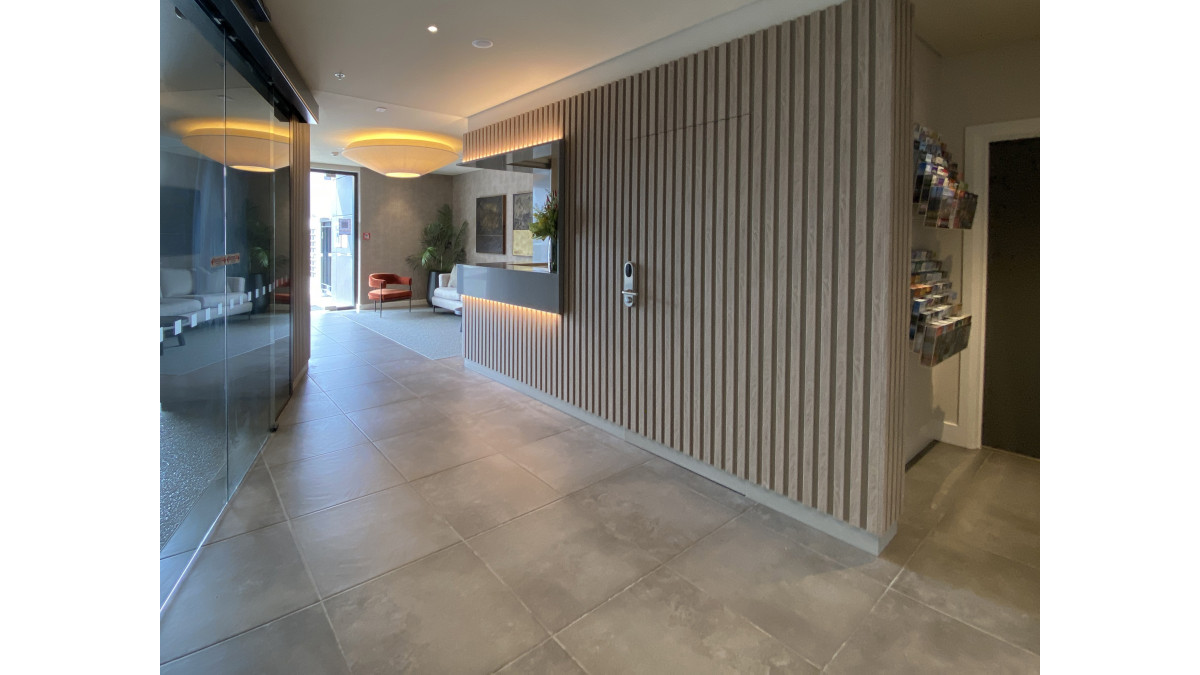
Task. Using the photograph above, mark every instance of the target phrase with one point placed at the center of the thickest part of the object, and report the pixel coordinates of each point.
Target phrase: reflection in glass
(224, 259)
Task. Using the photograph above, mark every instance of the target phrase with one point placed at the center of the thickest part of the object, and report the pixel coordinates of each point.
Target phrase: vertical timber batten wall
(761, 188)
(301, 318)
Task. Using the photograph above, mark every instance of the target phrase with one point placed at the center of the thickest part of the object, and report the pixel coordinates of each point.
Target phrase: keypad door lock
(628, 295)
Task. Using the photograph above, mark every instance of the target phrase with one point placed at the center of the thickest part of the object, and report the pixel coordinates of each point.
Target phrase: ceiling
(435, 81)
(957, 27)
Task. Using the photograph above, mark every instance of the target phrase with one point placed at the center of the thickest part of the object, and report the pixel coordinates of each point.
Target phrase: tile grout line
(569, 654)
(966, 623)
(308, 571)
(497, 577)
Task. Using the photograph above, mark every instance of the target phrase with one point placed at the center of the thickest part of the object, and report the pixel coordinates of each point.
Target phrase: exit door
(334, 226)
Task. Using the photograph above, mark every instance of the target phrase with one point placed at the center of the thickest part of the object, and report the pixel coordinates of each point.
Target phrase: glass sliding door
(224, 341)
(193, 427)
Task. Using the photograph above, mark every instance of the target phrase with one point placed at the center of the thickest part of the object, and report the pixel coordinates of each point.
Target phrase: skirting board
(299, 378)
(811, 517)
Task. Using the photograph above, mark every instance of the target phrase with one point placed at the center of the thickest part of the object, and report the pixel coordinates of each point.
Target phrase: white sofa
(190, 293)
(446, 294)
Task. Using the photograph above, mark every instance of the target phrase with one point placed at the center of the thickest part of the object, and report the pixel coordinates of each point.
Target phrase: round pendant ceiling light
(241, 149)
(401, 157)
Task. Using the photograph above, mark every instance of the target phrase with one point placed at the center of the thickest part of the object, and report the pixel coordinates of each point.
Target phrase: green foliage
(545, 219)
(443, 244)
(260, 240)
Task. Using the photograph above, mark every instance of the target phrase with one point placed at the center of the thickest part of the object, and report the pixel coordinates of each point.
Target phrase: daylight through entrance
(332, 231)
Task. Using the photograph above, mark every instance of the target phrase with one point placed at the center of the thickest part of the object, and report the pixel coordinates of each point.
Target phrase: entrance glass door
(333, 232)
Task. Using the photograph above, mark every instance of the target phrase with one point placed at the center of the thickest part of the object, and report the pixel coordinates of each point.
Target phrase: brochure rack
(937, 327)
(940, 197)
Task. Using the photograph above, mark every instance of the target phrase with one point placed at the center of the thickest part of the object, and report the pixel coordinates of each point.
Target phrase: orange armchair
(383, 294)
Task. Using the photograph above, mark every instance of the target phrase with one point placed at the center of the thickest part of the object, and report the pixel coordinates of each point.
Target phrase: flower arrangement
(545, 219)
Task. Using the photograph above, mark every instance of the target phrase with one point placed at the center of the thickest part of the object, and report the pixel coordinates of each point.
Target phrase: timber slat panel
(759, 187)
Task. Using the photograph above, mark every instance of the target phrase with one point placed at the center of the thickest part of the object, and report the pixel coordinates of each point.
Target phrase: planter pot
(433, 283)
(261, 303)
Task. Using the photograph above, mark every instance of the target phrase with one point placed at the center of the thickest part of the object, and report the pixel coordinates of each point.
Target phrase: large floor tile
(235, 585)
(935, 482)
(883, 568)
(319, 482)
(393, 419)
(556, 415)
(577, 458)
(364, 343)
(904, 636)
(170, 569)
(714, 491)
(547, 658)
(298, 644)
(363, 538)
(474, 399)
(370, 395)
(347, 377)
(445, 613)
(422, 453)
(483, 494)
(513, 426)
(389, 353)
(561, 562)
(255, 505)
(324, 364)
(661, 515)
(326, 347)
(399, 369)
(1000, 510)
(983, 589)
(312, 406)
(429, 382)
(309, 439)
(663, 624)
(807, 601)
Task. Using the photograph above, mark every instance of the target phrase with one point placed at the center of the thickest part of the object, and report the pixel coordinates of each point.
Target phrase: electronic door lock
(628, 295)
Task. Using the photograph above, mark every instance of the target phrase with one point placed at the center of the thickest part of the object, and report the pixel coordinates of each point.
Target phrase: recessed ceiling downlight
(433, 29)
(482, 44)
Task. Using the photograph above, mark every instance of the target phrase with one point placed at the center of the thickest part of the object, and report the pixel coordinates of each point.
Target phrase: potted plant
(443, 246)
(260, 241)
(545, 226)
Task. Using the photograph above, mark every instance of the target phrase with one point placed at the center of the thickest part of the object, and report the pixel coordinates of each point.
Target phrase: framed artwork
(522, 217)
(489, 224)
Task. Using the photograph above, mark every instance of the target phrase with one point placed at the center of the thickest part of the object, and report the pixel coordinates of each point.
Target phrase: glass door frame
(356, 245)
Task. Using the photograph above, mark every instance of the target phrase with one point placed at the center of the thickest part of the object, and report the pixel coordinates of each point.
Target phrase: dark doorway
(1012, 362)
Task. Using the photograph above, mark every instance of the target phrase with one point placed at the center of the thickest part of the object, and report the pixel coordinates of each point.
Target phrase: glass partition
(224, 319)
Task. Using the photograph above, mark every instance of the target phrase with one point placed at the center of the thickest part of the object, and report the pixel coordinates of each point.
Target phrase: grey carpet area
(434, 336)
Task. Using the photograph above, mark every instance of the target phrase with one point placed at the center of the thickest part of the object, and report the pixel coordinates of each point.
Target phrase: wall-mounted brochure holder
(940, 197)
(937, 327)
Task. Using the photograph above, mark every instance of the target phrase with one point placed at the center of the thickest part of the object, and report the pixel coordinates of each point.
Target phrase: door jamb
(968, 431)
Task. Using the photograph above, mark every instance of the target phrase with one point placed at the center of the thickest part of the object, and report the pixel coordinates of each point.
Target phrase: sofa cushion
(446, 293)
(227, 299)
(453, 277)
(174, 282)
(177, 306)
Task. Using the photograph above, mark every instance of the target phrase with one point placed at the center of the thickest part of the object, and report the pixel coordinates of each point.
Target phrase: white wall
(949, 95)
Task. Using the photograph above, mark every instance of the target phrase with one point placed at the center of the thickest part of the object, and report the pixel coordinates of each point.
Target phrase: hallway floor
(412, 516)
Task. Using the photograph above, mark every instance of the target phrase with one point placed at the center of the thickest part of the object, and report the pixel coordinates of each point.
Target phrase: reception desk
(530, 285)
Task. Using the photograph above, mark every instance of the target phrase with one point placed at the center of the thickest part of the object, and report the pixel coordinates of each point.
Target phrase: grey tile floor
(392, 526)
